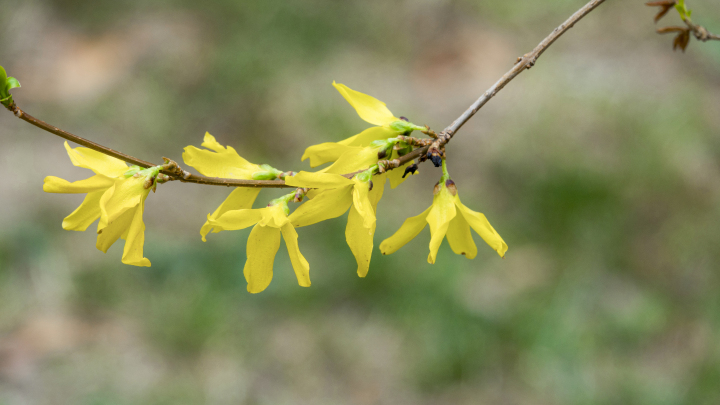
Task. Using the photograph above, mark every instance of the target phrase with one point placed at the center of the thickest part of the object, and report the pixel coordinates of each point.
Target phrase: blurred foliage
(608, 198)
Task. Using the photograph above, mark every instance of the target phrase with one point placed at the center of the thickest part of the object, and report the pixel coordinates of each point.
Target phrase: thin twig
(523, 63)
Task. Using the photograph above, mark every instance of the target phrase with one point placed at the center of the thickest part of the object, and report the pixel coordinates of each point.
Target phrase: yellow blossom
(264, 242)
(372, 111)
(337, 196)
(447, 216)
(118, 200)
(221, 161)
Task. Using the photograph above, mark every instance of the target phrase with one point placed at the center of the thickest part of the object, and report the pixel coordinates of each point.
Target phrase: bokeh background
(600, 167)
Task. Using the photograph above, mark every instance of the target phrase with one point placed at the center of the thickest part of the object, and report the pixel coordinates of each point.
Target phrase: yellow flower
(372, 111)
(225, 162)
(447, 216)
(337, 196)
(111, 196)
(264, 242)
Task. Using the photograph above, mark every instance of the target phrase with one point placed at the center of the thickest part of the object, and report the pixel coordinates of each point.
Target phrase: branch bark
(525, 62)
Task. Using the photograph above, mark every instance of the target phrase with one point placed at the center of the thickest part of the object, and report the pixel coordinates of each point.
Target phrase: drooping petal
(443, 211)
(480, 224)
(262, 246)
(409, 229)
(274, 216)
(368, 108)
(223, 162)
(96, 161)
(300, 265)
(356, 158)
(358, 237)
(85, 214)
(97, 182)
(361, 202)
(368, 136)
(135, 239)
(360, 240)
(241, 198)
(318, 180)
(114, 230)
(236, 219)
(460, 239)
(123, 195)
(326, 205)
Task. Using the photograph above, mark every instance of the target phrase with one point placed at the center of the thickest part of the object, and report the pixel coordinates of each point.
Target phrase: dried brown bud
(437, 188)
(682, 40)
(370, 185)
(382, 154)
(665, 6)
(410, 169)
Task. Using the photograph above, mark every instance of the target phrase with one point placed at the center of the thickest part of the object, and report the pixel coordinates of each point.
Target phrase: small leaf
(11, 83)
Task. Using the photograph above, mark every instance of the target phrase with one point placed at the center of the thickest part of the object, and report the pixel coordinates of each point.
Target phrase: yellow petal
(378, 189)
(409, 229)
(237, 219)
(85, 214)
(366, 137)
(460, 239)
(274, 216)
(356, 158)
(223, 162)
(241, 198)
(323, 153)
(443, 211)
(114, 230)
(263, 243)
(123, 195)
(480, 224)
(300, 265)
(96, 161)
(360, 240)
(318, 180)
(97, 182)
(362, 204)
(326, 205)
(368, 108)
(135, 239)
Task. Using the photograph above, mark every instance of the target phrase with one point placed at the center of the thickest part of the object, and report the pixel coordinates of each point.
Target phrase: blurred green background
(600, 167)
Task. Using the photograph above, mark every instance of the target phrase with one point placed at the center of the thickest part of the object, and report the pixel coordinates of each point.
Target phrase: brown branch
(525, 62)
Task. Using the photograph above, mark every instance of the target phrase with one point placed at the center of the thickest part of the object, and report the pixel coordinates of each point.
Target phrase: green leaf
(3, 75)
(11, 83)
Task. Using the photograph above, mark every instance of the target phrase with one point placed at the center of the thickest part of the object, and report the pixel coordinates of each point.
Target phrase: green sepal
(404, 127)
(283, 201)
(6, 101)
(267, 173)
(132, 171)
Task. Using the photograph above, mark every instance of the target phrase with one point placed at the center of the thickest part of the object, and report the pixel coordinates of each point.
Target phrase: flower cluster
(354, 182)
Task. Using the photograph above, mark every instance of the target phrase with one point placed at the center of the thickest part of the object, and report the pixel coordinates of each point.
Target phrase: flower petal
(367, 107)
(361, 202)
(443, 211)
(123, 195)
(96, 161)
(223, 162)
(114, 230)
(356, 158)
(326, 205)
(237, 219)
(480, 224)
(85, 214)
(241, 198)
(135, 239)
(360, 240)
(323, 153)
(460, 239)
(318, 180)
(262, 246)
(409, 229)
(97, 182)
(300, 265)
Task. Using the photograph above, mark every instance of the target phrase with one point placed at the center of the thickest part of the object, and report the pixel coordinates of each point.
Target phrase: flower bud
(412, 169)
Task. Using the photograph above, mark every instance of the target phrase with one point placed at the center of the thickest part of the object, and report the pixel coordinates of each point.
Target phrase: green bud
(132, 171)
(404, 127)
(267, 173)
